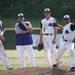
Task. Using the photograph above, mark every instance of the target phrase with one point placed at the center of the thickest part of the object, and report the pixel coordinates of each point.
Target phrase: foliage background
(34, 8)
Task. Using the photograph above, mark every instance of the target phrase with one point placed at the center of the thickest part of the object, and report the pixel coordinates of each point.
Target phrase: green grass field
(39, 59)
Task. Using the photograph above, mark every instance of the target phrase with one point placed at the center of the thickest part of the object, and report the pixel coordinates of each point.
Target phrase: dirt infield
(37, 71)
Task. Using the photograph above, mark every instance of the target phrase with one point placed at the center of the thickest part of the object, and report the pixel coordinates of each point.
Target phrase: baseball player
(2, 52)
(24, 40)
(48, 35)
(67, 42)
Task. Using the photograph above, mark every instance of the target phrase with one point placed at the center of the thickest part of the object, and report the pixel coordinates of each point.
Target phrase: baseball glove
(40, 47)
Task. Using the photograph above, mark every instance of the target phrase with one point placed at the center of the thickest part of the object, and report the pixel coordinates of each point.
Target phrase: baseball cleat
(72, 69)
(9, 68)
(56, 65)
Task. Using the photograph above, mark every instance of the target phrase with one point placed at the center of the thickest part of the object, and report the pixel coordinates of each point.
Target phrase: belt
(65, 40)
(48, 34)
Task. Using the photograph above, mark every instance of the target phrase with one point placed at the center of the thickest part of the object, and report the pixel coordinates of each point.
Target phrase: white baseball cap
(20, 15)
(46, 9)
(66, 16)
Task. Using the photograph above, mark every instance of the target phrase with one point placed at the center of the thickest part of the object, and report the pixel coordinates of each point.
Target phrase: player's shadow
(57, 71)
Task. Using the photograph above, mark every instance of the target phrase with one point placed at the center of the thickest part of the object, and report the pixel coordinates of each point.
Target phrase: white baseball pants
(50, 49)
(66, 46)
(29, 52)
(3, 56)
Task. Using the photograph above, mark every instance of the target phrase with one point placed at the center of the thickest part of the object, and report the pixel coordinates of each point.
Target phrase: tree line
(34, 8)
